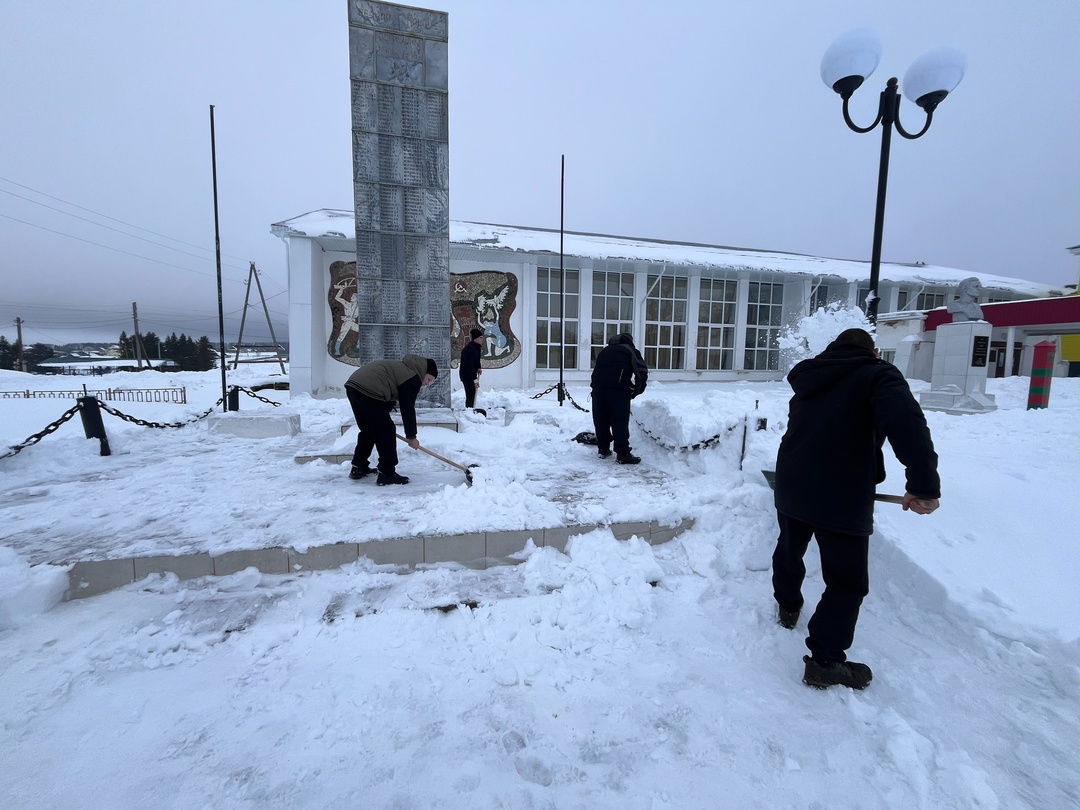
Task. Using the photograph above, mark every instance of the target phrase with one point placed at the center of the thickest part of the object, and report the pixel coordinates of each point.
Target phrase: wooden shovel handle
(433, 454)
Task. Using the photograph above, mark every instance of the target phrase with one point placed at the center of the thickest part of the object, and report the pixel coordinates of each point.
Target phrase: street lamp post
(849, 62)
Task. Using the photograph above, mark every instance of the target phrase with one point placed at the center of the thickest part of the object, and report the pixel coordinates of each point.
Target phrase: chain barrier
(546, 391)
(41, 434)
(251, 393)
(146, 423)
(566, 394)
(685, 448)
(68, 414)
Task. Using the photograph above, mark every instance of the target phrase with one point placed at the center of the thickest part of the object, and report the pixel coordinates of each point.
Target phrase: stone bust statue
(966, 306)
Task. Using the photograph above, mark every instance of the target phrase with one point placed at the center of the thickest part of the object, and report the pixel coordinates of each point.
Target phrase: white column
(1010, 339)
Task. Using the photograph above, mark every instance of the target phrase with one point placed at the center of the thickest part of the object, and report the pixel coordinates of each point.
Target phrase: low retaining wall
(94, 577)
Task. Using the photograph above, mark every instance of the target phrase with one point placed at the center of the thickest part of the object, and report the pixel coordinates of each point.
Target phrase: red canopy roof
(1041, 313)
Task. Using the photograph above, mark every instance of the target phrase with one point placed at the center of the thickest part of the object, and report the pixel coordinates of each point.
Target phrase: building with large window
(697, 312)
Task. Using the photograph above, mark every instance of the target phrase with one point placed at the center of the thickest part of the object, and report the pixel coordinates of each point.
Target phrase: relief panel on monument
(366, 205)
(392, 254)
(365, 106)
(398, 18)
(365, 157)
(399, 59)
(436, 164)
(361, 53)
(437, 118)
(389, 111)
(412, 162)
(390, 209)
(436, 65)
(425, 259)
(414, 215)
(369, 262)
(377, 15)
(436, 210)
(485, 300)
(391, 159)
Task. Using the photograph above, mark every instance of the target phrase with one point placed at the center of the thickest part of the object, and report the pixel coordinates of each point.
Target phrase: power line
(110, 228)
(118, 250)
(106, 216)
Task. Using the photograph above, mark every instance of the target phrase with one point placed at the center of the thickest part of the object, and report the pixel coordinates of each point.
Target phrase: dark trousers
(844, 568)
(611, 419)
(470, 392)
(376, 430)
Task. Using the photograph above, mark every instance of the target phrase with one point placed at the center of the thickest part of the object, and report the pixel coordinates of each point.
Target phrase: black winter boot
(787, 618)
(822, 675)
(356, 473)
(391, 478)
(628, 458)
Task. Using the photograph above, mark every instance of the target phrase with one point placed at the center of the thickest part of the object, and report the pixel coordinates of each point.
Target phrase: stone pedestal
(958, 378)
(251, 426)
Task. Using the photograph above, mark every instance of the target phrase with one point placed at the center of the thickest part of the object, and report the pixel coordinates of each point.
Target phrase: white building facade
(545, 299)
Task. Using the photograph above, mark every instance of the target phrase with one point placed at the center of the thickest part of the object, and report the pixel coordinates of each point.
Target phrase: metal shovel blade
(444, 460)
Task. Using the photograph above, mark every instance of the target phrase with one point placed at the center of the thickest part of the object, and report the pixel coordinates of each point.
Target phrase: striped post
(1042, 372)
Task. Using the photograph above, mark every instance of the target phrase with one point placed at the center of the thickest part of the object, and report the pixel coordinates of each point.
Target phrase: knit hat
(855, 337)
(432, 369)
(476, 333)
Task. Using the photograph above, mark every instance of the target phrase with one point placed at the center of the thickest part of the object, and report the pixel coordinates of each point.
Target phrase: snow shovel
(480, 411)
(433, 454)
(770, 477)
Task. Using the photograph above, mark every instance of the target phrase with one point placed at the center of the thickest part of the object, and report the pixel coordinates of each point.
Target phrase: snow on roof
(339, 224)
(102, 362)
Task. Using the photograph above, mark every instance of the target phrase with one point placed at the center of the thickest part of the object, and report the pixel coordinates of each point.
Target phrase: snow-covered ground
(615, 675)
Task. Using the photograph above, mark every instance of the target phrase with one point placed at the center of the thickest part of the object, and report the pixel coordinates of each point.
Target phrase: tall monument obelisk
(401, 184)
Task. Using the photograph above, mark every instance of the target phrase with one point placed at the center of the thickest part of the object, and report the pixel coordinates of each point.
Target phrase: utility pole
(253, 273)
(217, 253)
(135, 342)
(18, 327)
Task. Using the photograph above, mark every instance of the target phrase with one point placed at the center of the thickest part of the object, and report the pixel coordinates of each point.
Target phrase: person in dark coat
(619, 375)
(847, 402)
(469, 370)
(373, 390)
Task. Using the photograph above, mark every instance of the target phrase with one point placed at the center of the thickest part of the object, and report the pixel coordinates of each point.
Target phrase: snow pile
(614, 675)
(27, 591)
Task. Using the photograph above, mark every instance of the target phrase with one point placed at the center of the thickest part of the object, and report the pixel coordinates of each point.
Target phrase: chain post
(234, 397)
(93, 426)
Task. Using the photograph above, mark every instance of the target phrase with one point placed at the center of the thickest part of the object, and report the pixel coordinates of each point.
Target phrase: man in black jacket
(847, 402)
(469, 370)
(620, 375)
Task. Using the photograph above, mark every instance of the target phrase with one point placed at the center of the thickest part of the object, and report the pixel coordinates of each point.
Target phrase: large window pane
(552, 310)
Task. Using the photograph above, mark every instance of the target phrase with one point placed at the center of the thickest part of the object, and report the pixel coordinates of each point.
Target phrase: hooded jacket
(846, 404)
(393, 381)
(620, 367)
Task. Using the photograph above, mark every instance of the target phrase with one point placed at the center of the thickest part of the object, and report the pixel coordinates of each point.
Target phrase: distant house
(696, 311)
(82, 363)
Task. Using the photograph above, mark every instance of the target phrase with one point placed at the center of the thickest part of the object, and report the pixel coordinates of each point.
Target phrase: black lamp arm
(920, 133)
(852, 125)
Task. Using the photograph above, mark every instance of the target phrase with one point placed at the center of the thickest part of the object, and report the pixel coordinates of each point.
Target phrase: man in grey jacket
(373, 390)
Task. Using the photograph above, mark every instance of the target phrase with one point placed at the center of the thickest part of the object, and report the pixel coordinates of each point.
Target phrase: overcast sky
(689, 120)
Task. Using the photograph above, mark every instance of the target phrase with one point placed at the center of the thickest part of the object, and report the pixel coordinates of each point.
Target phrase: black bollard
(93, 426)
(234, 398)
